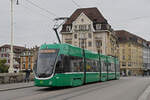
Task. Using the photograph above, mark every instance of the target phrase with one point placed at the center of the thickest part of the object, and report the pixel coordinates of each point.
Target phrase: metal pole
(100, 66)
(11, 69)
(55, 29)
(84, 63)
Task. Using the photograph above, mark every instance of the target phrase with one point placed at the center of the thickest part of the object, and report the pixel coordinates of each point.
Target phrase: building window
(68, 28)
(24, 66)
(89, 35)
(82, 20)
(108, 27)
(98, 26)
(29, 66)
(69, 42)
(89, 27)
(75, 27)
(98, 43)
(123, 51)
(129, 63)
(89, 43)
(29, 59)
(82, 44)
(29, 53)
(123, 63)
(129, 57)
(24, 59)
(123, 57)
(75, 36)
(82, 27)
(129, 45)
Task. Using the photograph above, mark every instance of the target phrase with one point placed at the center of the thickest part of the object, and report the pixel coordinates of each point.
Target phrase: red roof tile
(92, 13)
(126, 36)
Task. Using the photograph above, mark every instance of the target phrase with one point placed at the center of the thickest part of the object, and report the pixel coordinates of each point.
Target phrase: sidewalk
(14, 86)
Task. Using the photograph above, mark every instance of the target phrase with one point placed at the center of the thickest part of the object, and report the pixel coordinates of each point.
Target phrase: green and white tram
(67, 65)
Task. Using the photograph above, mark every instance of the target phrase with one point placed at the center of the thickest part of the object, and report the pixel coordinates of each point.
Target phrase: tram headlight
(57, 77)
(50, 82)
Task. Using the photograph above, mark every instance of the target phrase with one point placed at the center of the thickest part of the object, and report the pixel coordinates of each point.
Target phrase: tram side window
(76, 64)
(69, 64)
(66, 63)
(96, 69)
(109, 67)
(92, 66)
(88, 66)
(59, 65)
(117, 68)
(98, 66)
(104, 66)
(112, 67)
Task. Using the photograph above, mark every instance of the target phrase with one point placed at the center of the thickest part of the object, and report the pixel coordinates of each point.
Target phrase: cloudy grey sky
(33, 26)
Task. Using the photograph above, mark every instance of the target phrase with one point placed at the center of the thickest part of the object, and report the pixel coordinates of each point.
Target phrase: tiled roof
(92, 13)
(15, 47)
(127, 36)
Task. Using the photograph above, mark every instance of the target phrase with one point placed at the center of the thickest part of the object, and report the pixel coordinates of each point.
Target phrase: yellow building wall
(132, 53)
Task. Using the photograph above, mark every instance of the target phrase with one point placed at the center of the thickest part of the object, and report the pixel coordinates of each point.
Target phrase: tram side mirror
(35, 67)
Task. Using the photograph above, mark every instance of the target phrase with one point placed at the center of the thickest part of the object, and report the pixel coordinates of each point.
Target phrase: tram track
(69, 92)
(131, 87)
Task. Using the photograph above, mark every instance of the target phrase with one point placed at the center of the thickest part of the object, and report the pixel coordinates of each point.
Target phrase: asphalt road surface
(127, 88)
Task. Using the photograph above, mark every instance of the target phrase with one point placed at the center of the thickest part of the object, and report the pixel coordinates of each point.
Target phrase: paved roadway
(127, 88)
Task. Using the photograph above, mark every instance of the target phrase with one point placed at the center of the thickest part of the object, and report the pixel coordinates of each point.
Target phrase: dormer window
(89, 27)
(108, 27)
(68, 28)
(98, 26)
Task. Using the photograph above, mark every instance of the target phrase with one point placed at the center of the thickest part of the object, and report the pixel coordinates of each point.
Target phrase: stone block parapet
(13, 77)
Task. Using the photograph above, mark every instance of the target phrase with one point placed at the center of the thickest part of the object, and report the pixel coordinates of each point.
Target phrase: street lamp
(11, 68)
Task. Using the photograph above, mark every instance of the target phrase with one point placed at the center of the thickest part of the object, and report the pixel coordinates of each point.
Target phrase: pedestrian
(27, 76)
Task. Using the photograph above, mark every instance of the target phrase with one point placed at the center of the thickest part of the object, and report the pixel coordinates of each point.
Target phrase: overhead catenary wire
(32, 3)
(76, 3)
(29, 9)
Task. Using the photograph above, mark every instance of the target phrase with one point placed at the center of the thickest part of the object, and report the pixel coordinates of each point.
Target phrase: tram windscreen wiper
(43, 75)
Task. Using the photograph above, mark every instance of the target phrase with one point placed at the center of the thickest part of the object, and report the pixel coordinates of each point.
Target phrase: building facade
(149, 57)
(146, 57)
(28, 58)
(87, 28)
(5, 54)
(130, 53)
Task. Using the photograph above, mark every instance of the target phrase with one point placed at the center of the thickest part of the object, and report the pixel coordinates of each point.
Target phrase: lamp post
(83, 38)
(11, 68)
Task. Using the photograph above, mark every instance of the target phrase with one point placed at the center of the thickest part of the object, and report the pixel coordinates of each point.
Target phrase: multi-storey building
(87, 28)
(5, 54)
(149, 57)
(130, 53)
(145, 54)
(28, 58)
(146, 57)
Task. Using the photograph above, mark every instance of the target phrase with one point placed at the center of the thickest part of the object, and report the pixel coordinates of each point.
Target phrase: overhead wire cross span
(32, 3)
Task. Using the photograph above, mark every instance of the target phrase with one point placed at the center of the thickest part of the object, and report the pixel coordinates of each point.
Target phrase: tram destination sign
(48, 51)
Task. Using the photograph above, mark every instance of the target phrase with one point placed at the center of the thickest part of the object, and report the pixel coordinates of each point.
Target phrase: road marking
(145, 94)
